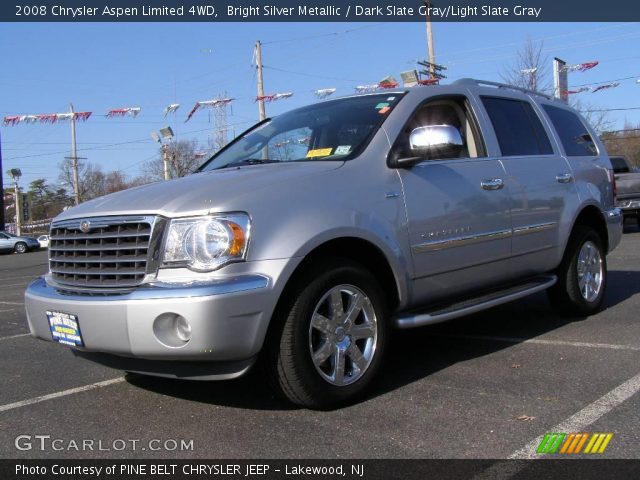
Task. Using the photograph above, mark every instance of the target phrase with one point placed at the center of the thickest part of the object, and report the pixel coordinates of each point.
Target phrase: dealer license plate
(65, 328)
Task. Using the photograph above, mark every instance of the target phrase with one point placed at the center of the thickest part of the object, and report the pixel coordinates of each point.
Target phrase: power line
(613, 109)
(322, 35)
(114, 144)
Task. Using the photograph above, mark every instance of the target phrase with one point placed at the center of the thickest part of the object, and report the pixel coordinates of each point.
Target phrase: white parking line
(15, 336)
(13, 285)
(11, 303)
(10, 310)
(578, 422)
(64, 393)
(588, 415)
(21, 276)
(542, 341)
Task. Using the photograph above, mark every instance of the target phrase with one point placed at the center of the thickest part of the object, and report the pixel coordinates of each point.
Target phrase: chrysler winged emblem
(85, 226)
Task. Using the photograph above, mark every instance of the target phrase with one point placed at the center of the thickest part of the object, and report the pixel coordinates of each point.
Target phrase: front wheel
(582, 275)
(332, 336)
(20, 247)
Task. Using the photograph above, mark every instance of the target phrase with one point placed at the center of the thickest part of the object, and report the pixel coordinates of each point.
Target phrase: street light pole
(15, 175)
(1, 190)
(165, 160)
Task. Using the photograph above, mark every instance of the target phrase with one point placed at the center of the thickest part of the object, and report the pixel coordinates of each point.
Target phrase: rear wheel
(582, 275)
(20, 247)
(332, 336)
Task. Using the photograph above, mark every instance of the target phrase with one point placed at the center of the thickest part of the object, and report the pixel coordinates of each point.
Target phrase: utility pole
(261, 109)
(1, 190)
(432, 55)
(74, 156)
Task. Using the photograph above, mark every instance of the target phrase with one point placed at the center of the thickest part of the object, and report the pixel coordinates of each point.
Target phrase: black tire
(566, 296)
(290, 368)
(20, 247)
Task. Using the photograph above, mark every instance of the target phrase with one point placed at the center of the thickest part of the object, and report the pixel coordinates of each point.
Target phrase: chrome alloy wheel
(590, 271)
(343, 335)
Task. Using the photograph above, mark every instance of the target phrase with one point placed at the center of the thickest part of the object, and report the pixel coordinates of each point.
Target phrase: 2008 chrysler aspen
(305, 240)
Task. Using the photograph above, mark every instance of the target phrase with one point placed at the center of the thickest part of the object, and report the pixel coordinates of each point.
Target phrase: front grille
(112, 252)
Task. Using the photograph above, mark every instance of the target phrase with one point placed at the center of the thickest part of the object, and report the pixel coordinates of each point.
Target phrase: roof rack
(473, 81)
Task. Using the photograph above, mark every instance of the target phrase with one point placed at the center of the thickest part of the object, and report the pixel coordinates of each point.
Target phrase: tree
(530, 69)
(598, 120)
(183, 160)
(93, 182)
(625, 142)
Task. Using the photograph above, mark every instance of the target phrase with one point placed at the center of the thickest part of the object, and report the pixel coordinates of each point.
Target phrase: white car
(43, 240)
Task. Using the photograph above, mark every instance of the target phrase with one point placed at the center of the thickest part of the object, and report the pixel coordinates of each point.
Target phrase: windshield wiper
(251, 161)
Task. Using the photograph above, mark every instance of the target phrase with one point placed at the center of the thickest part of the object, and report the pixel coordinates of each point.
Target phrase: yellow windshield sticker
(319, 152)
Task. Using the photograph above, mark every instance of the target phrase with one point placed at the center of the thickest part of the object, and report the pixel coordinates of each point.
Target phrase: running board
(473, 305)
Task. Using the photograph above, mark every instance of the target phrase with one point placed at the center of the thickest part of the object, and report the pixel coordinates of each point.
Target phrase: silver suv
(305, 240)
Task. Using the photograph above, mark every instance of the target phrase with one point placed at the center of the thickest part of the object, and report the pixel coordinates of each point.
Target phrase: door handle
(564, 178)
(492, 184)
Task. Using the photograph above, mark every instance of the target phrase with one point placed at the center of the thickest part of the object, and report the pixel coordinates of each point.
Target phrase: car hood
(200, 193)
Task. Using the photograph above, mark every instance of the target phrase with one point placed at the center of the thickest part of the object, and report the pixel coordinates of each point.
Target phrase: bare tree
(90, 179)
(530, 69)
(599, 120)
(624, 142)
(183, 160)
(93, 181)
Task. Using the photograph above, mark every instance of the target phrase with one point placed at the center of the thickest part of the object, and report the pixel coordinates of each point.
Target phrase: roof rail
(473, 81)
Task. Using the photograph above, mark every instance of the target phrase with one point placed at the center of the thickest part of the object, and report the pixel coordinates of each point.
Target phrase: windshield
(333, 130)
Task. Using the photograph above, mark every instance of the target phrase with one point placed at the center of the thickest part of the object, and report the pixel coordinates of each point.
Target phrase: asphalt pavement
(484, 386)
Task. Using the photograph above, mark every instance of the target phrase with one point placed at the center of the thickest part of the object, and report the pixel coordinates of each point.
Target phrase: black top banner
(318, 11)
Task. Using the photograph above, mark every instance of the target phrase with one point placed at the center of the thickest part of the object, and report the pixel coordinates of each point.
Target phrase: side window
(573, 134)
(452, 112)
(517, 127)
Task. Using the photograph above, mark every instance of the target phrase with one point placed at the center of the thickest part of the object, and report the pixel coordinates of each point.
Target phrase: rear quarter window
(518, 128)
(573, 134)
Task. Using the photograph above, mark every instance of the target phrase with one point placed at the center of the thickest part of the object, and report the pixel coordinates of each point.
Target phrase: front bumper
(229, 318)
(614, 227)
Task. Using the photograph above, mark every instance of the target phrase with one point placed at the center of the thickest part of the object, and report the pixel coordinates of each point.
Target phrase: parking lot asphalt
(484, 386)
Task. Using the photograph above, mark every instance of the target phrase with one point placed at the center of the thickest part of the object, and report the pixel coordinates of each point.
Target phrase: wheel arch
(591, 216)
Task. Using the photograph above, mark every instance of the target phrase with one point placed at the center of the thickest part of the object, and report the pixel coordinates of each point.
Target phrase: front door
(458, 209)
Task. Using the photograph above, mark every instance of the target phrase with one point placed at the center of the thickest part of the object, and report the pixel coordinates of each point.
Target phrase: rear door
(538, 178)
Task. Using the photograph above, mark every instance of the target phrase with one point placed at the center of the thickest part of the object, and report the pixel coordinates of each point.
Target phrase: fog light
(182, 328)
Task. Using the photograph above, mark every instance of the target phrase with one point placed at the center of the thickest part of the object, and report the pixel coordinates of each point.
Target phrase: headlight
(207, 243)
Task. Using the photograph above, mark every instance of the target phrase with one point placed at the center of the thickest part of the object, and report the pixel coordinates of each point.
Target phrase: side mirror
(433, 141)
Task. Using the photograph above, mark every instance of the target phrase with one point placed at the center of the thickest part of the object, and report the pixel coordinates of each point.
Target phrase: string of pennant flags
(595, 89)
(408, 78)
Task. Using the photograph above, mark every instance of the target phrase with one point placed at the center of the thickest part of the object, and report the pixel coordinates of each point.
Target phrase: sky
(101, 66)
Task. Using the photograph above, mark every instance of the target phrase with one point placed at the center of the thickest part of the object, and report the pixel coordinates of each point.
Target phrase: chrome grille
(105, 252)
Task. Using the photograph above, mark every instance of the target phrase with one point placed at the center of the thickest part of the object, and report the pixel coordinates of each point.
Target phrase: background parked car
(628, 184)
(10, 242)
(44, 241)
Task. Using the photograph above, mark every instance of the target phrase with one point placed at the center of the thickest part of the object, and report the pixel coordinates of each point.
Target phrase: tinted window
(619, 165)
(573, 134)
(517, 127)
